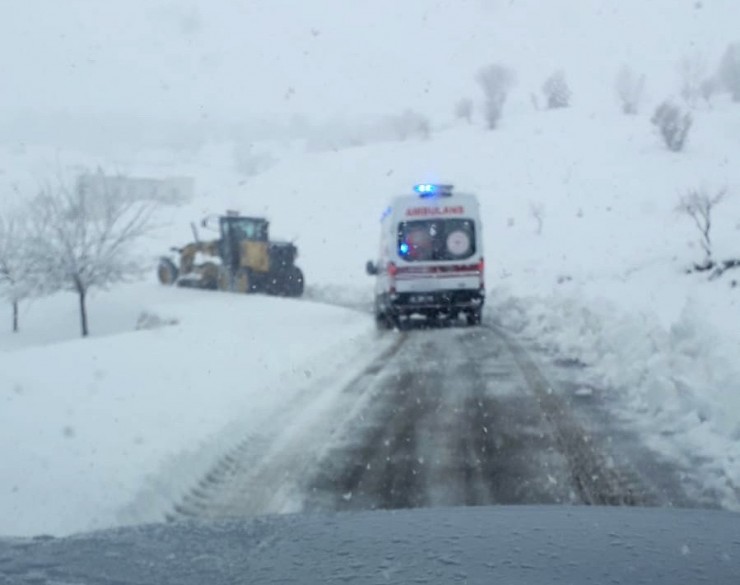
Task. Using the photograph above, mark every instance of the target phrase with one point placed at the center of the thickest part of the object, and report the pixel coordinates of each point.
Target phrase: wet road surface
(444, 417)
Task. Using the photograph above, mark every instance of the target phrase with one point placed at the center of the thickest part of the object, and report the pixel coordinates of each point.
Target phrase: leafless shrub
(464, 110)
(250, 162)
(673, 125)
(698, 205)
(709, 88)
(556, 90)
(537, 211)
(692, 72)
(148, 320)
(496, 81)
(630, 89)
(729, 71)
(410, 124)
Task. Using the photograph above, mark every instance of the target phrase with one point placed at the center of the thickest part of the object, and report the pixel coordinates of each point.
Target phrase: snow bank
(677, 384)
(86, 425)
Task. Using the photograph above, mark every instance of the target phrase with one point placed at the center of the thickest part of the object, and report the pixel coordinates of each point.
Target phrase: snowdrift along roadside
(675, 385)
(86, 425)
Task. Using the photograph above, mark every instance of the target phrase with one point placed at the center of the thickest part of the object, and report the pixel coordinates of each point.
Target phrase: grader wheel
(167, 271)
(209, 274)
(243, 281)
(294, 283)
(224, 280)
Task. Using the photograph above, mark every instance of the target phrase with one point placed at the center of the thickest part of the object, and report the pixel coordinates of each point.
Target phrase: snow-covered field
(603, 282)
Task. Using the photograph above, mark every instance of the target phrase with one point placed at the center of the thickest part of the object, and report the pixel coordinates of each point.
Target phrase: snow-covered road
(217, 406)
(444, 417)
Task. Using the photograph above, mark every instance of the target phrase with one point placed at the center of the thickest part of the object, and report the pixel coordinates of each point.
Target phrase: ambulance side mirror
(370, 268)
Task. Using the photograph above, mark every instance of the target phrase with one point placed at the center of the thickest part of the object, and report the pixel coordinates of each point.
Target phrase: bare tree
(630, 88)
(249, 162)
(464, 110)
(673, 125)
(423, 127)
(495, 80)
(84, 240)
(410, 124)
(557, 91)
(537, 211)
(729, 71)
(709, 87)
(19, 273)
(698, 204)
(693, 72)
(535, 101)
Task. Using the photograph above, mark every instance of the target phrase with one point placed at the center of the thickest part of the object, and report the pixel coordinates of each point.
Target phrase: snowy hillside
(262, 85)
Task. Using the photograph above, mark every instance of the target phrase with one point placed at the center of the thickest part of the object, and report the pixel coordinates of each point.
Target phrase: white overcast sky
(228, 58)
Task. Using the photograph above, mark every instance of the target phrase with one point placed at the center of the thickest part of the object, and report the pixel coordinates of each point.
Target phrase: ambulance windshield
(436, 239)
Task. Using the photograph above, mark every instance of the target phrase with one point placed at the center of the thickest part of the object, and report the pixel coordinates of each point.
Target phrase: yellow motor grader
(243, 260)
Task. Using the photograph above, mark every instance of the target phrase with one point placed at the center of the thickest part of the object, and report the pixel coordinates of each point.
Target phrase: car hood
(521, 544)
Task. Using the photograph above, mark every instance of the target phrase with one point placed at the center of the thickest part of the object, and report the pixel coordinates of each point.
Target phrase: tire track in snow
(595, 479)
(454, 416)
(260, 474)
(456, 425)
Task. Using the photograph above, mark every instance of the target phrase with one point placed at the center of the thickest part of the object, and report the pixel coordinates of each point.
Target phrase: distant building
(168, 190)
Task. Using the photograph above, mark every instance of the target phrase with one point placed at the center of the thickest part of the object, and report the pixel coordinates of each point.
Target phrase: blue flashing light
(425, 189)
(431, 190)
(404, 247)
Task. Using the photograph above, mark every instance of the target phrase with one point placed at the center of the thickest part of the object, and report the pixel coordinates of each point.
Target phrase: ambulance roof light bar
(432, 190)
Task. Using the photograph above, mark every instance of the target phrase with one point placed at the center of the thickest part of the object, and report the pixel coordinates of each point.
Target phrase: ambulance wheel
(383, 322)
(474, 317)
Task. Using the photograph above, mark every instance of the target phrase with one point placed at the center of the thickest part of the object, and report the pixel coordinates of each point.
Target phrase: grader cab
(243, 260)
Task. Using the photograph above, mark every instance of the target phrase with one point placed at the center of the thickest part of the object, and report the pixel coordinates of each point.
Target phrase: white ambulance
(431, 258)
